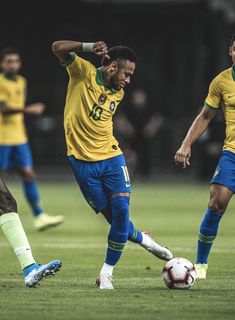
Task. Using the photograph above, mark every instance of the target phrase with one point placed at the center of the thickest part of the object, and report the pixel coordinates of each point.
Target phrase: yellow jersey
(222, 94)
(88, 113)
(13, 94)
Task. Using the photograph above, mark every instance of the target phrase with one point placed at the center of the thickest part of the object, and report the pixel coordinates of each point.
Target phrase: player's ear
(230, 51)
(113, 66)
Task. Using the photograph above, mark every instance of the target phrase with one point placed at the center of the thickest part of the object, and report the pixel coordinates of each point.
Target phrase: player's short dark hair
(232, 40)
(120, 53)
(8, 50)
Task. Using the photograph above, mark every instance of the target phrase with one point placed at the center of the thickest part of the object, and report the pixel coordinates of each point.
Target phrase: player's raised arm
(197, 128)
(63, 48)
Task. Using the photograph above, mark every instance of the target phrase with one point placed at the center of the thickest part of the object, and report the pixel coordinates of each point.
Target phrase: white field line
(84, 246)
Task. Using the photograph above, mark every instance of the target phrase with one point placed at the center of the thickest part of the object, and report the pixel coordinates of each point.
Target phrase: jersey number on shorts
(126, 176)
(96, 112)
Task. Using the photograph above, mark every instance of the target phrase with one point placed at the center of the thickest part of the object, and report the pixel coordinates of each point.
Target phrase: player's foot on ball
(45, 221)
(34, 273)
(201, 269)
(155, 248)
(104, 281)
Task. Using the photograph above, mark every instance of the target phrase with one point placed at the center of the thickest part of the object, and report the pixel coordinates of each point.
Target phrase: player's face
(122, 75)
(11, 64)
(232, 52)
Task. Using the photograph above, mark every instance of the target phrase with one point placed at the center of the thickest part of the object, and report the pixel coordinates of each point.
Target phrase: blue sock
(119, 230)
(32, 195)
(134, 234)
(208, 231)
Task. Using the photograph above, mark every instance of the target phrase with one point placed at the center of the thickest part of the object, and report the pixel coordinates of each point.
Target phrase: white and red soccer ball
(179, 273)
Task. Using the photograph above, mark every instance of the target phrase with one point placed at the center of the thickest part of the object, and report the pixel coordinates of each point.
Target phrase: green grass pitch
(172, 213)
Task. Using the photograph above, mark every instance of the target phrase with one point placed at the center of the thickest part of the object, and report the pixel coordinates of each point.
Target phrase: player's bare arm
(33, 109)
(62, 48)
(197, 128)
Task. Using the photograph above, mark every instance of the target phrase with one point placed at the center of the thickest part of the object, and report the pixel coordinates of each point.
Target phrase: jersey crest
(102, 99)
(112, 106)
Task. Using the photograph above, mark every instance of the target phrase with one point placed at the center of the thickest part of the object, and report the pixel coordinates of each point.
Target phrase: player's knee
(120, 210)
(7, 203)
(120, 203)
(28, 174)
(217, 206)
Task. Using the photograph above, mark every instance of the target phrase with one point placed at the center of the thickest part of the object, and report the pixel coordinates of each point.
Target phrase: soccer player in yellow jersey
(12, 228)
(221, 95)
(14, 147)
(98, 164)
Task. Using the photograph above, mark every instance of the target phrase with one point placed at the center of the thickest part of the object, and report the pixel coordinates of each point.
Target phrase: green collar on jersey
(100, 80)
(233, 72)
(6, 76)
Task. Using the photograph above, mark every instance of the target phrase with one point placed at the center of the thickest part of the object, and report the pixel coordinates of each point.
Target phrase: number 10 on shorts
(126, 176)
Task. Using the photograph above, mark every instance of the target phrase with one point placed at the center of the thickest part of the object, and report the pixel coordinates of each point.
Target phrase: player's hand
(183, 155)
(101, 49)
(35, 108)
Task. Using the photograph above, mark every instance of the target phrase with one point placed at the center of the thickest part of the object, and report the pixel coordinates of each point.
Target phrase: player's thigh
(225, 171)
(223, 181)
(6, 153)
(90, 183)
(23, 156)
(116, 177)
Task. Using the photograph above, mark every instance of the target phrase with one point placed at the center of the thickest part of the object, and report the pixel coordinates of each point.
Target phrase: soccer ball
(179, 273)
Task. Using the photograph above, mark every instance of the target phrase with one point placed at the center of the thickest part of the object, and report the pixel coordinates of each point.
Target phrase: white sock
(107, 269)
(14, 232)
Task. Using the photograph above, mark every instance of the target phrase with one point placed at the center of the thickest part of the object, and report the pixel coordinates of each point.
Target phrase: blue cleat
(34, 273)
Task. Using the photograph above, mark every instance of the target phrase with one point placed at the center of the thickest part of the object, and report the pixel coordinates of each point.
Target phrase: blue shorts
(15, 156)
(99, 180)
(225, 171)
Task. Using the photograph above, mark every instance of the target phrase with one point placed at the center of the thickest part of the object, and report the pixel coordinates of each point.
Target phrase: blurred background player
(15, 151)
(94, 154)
(136, 128)
(12, 228)
(221, 94)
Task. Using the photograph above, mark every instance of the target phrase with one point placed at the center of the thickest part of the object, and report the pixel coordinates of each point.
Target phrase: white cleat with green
(45, 221)
(201, 269)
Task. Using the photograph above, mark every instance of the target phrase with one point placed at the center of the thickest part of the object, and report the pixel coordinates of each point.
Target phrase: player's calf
(7, 202)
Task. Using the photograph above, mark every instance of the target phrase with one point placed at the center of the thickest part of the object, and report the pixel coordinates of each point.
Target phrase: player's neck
(10, 76)
(106, 77)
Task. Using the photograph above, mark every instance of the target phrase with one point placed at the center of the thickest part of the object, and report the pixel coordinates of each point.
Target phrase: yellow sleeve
(25, 88)
(3, 94)
(77, 67)
(214, 96)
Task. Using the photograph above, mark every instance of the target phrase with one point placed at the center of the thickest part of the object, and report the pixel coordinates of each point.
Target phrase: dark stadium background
(181, 46)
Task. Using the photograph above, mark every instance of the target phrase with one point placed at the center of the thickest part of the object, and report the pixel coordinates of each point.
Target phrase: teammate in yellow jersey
(96, 159)
(221, 95)
(14, 147)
